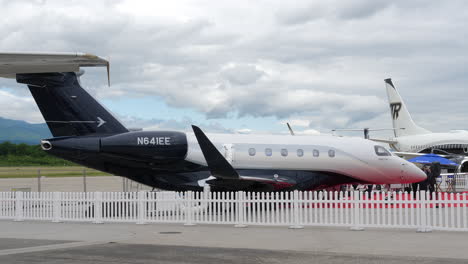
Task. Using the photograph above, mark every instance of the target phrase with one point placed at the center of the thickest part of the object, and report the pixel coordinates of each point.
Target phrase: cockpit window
(381, 151)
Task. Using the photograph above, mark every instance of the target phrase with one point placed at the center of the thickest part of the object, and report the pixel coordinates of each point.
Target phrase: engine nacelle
(147, 145)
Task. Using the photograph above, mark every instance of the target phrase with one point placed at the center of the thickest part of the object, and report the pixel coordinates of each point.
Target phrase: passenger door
(229, 153)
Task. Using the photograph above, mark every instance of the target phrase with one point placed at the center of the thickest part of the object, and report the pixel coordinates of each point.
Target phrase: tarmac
(45, 242)
(71, 184)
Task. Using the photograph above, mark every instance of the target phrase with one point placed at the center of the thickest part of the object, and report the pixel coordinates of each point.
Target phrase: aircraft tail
(403, 124)
(67, 108)
(54, 83)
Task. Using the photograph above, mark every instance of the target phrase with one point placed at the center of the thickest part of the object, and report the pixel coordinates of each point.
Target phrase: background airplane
(86, 133)
(411, 140)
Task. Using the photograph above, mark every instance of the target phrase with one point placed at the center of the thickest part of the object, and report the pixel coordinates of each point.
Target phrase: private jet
(86, 133)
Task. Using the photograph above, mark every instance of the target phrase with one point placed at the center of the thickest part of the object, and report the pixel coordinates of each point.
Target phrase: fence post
(38, 180)
(240, 205)
(423, 216)
(142, 202)
(297, 220)
(18, 207)
(206, 197)
(206, 188)
(97, 208)
(84, 180)
(57, 205)
(188, 208)
(357, 224)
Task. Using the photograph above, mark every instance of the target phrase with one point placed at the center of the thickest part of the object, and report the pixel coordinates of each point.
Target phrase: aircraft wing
(389, 141)
(408, 155)
(218, 165)
(226, 176)
(12, 63)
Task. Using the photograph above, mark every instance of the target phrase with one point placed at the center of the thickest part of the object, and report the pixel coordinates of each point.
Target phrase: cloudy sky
(253, 65)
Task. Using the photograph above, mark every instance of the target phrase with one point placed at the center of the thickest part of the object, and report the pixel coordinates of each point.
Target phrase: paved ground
(168, 243)
(12, 243)
(132, 253)
(70, 184)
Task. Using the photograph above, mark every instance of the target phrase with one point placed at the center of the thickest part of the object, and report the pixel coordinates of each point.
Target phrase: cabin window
(381, 151)
(252, 151)
(284, 152)
(331, 153)
(316, 153)
(268, 152)
(300, 152)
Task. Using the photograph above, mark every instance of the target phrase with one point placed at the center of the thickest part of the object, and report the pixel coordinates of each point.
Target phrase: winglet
(290, 129)
(218, 165)
(389, 82)
(108, 73)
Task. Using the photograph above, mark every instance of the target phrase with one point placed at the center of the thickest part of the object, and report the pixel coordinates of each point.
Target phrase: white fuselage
(352, 157)
(446, 141)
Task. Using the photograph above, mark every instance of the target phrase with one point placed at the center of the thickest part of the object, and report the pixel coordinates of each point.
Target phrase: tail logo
(395, 109)
(99, 121)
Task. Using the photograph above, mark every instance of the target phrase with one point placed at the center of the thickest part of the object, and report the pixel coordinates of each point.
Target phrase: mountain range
(17, 131)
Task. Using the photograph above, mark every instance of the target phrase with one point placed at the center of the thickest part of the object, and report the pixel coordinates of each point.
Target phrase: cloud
(361, 8)
(241, 74)
(244, 131)
(311, 60)
(305, 11)
(296, 122)
(171, 124)
(19, 108)
(307, 132)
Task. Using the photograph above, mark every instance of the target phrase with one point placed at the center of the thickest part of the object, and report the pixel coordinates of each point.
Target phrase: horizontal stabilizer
(12, 63)
(218, 165)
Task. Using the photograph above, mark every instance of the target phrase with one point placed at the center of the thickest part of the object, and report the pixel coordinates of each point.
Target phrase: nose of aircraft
(413, 173)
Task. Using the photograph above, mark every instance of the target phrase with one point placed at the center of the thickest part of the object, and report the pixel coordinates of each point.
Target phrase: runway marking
(48, 247)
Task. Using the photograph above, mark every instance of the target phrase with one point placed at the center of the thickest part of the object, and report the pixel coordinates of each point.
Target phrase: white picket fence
(421, 211)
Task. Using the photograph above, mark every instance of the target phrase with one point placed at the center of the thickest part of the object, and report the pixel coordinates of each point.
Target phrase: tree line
(27, 155)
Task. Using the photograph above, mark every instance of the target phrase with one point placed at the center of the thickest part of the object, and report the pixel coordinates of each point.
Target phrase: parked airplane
(86, 133)
(411, 139)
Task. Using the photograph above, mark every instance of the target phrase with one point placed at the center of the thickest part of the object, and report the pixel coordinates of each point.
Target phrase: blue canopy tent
(430, 158)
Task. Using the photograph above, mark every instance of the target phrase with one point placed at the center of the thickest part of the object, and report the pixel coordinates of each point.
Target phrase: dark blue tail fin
(67, 108)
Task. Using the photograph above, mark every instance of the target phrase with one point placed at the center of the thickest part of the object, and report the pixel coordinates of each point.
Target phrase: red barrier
(389, 200)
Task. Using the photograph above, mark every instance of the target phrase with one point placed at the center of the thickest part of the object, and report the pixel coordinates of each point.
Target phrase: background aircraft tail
(67, 108)
(401, 118)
